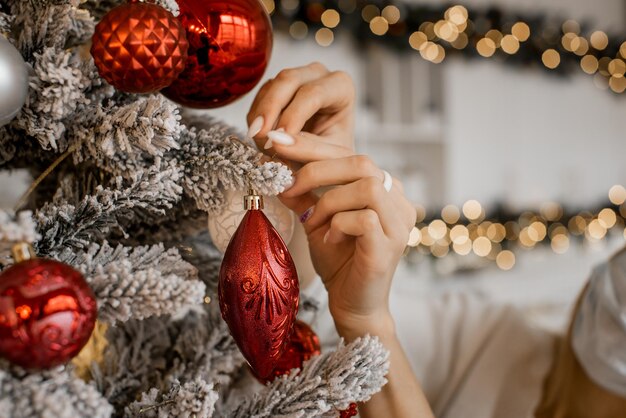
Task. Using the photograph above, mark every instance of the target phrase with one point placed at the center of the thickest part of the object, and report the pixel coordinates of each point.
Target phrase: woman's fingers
(322, 173)
(364, 224)
(329, 94)
(366, 193)
(304, 147)
(276, 94)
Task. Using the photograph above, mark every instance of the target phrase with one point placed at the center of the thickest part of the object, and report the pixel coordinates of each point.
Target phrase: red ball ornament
(350, 412)
(258, 289)
(303, 345)
(230, 43)
(139, 47)
(47, 313)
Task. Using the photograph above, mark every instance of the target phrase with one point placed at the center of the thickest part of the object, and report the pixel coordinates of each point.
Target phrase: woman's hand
(357, 233)
(310, 106)
(357, 229)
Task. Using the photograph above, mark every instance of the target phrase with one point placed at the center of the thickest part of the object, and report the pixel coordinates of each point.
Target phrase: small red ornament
(139, 47)
(350, 412)
(47, 312)
(302, 345)
(258, 289)
(230, 43)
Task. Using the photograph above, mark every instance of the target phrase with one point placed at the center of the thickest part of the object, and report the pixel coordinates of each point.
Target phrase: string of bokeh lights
(439, 32)
(469, 230)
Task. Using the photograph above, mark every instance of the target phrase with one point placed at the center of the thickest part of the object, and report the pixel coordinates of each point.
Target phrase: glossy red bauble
(139, 47)
(259, 292)
(230, 43)
(302, 345)
(47, 313)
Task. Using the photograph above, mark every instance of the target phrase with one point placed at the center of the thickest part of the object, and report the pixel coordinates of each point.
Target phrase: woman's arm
(357, 229)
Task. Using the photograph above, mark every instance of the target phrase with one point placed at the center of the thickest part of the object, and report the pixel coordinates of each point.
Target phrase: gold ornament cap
(252, 201)
(22, 252)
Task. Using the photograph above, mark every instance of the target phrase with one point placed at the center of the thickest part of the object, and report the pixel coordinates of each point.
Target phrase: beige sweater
(474, 359)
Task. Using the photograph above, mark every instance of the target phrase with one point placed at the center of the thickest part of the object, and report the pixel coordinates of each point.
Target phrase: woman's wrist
(352, 327)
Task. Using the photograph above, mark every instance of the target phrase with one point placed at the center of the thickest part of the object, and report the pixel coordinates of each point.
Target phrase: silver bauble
(13, 81)
(222, 225)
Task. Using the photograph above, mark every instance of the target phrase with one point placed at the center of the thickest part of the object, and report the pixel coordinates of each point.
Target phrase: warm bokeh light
(505, 260)
(589, 64)
(570, 26)
(463, 248)
(437, 229)
(596, 230)
(330, 18)
(509, 44)
(459, 234)
(599, 40)
(457, 15)
(617, 67)
(369, 12)
(417, 40)
(486, 47)
(617, 194)
(392, 14)
(551, 58)
(472, 210)
(607, 218)
(324, 37)
(415, 237)
(560, 243)
(298, 30)
(450, 214)
(521, 31)
(379, 25)
(482, 246)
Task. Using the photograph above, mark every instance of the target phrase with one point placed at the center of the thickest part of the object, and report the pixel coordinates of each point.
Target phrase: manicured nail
(268, 144)
(281, 138)
(289, 185)
(326, 235)
(255, 126)
(307, 214)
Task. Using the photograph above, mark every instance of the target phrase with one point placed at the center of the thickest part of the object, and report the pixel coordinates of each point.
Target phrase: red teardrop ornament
(302, 345)
(259, 292)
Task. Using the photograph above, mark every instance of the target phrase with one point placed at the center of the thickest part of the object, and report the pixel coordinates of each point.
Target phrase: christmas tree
(124, 185)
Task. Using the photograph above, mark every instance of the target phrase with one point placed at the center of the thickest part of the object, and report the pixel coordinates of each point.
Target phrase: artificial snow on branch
(194, 399)
(137, 282)
(327, 383)
(17, 227)
(148, 196)
(55, 393)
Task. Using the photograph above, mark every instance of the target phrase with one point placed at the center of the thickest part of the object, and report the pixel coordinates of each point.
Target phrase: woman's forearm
(402, 396)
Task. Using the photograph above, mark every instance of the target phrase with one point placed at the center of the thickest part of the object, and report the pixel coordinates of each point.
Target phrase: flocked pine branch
(76, 227)
(193, 399)
(327, 383)
(56, 393)
(137, 282)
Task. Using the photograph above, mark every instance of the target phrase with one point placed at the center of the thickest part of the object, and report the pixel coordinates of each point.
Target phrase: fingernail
(307, 214)
(326, 235)
(289, 185)
(268, 144)
(255, 126)
(281, 138)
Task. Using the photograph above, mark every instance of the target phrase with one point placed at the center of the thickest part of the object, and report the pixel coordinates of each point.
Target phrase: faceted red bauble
(302, 345)
(259, 292)
(230, 43)
(47, 313)
(139, 47)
